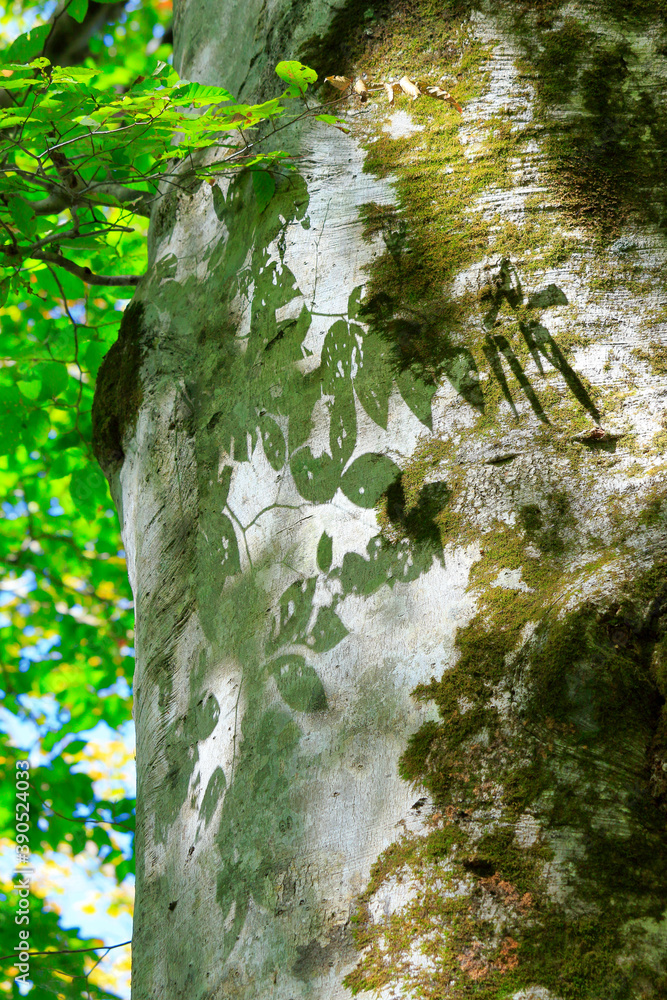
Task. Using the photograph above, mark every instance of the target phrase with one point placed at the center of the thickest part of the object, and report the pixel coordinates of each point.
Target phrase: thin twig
(86, 820)
(70, 951)
(75, 328)
(104, 132)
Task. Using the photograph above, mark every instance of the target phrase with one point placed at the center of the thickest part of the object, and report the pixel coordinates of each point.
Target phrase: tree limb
(117, 196)
(68, 42)
(86, 275)
(60, 198)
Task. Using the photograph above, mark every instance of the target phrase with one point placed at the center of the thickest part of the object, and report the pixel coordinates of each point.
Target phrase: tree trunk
(389, 461)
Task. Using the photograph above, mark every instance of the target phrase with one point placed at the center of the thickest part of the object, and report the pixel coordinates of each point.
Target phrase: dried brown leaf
(390, 92)
(409, 88)
(361, 89)
(339, 82)
(443, 95)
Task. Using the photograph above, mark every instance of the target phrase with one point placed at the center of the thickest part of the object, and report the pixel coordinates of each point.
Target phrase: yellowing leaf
(339, 82)
(409, 88)
(390, 92)
(296, 75)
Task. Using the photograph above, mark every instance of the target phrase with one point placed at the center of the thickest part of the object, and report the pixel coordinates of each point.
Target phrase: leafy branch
(74, 157)
(88, 820)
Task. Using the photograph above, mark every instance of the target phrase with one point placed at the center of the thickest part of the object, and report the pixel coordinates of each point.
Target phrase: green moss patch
(568, 730)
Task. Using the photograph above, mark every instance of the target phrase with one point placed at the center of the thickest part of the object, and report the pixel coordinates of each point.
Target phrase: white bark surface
(263, 807)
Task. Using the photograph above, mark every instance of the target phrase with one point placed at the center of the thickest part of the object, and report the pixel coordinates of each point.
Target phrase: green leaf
(94, 356)
(9, 120)
(264, 187)
(367, 478)
(298, 683)
(11, 414)
(30, 389)
(54, 379)
(23, 215)
(77, 9)
(78, 540)
(20, 79)
(88, 488)
(325, 552)
(61, 467)
(37, 429)
(27, 46)
(296, 75)
(339, 123)
(198, 93)
(60, 74)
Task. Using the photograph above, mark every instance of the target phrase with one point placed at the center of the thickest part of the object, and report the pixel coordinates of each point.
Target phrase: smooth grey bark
(403, 430)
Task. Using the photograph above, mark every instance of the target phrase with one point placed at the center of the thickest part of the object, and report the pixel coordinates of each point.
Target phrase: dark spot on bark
(118, 391)
(479, 866)
(278, 336)
(314, 959)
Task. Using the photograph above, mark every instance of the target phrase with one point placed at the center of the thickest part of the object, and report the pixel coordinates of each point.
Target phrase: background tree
(66, 638)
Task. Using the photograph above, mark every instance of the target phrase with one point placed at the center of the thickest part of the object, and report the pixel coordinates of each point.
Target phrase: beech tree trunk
(389, 459)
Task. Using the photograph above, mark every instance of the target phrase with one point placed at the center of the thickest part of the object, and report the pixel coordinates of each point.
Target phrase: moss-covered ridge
(546, 861)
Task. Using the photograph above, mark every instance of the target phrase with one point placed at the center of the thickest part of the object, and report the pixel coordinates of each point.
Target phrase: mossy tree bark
(389, 457)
